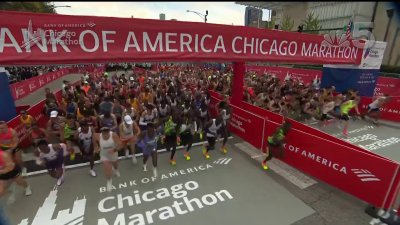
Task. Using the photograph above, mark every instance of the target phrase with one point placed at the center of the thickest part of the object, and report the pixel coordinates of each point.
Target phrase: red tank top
(7, 136)
(1, 159)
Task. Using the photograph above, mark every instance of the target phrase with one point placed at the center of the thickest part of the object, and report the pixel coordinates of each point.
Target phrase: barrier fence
(363, 174)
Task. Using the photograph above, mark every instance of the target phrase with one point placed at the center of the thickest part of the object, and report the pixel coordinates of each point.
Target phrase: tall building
(162, 16)
(336, 15)
(252, 17)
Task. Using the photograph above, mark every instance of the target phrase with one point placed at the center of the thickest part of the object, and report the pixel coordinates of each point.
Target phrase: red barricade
(24, 88)
(368, 176)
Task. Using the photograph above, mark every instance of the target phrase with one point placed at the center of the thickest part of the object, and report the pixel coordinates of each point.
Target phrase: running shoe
(109, 185)
(24, 171)
(28, 191)
(224, 150)
(134, 160)
(126, 152)
(145, 167)
(155, 172)
(205, 153)
(173, 162)
(60, 180)
(93, 173)
(187, 156)
(116, 172)
(264, 166)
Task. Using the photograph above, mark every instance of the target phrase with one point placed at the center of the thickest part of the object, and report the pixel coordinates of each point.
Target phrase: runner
(107, 143)
(186, 133)
(68, 133)
(9, 173)
(225, 112)
(85, 137)
(328, 106)
(109, 120)
(275, 143)
(9, 142)
(52, 157)
(373, 108)
(148, 143)
(170, 137)
(54, 126)
(345, 109)
(203, 117)
(26, 119)
(148, 116)
(37, 133)
(211, 129)
(129, 131)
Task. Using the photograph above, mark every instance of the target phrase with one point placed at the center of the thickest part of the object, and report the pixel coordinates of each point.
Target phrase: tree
(311, 23)
(39, 7)
(270, 24)
(287, 23)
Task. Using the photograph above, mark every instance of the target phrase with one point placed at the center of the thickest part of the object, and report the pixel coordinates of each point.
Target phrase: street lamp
(203, 16)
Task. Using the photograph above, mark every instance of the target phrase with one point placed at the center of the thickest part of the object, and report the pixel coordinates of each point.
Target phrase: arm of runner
(61, 132)
(141, 120)
(136, 128)
(95, 142)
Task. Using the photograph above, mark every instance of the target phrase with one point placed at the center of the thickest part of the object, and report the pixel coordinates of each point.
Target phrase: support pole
(238, 83)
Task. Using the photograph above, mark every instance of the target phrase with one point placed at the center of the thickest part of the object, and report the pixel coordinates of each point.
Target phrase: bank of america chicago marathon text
(177, 192)
(170, 43)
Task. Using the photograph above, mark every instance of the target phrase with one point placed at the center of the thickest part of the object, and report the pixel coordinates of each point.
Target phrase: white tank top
(163, 111)
(127, 130)
(203, 113)
(213, 129)
(52, 154)
(86, 138)
(106, 145)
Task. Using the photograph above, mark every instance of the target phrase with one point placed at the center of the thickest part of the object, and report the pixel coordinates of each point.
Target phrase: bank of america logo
(64, 217)
(365, 175)
(223, 161)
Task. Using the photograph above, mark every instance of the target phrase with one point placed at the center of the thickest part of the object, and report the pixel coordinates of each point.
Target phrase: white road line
(121, 157)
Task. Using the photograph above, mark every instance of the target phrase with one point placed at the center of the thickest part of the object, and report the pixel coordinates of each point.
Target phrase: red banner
(30, 38)
(25, 87)
(387, 85)
(304, 76)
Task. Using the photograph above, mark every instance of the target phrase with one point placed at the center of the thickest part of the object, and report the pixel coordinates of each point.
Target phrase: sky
(227, 13)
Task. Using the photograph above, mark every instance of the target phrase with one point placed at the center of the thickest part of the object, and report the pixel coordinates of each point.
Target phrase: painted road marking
(284, 170)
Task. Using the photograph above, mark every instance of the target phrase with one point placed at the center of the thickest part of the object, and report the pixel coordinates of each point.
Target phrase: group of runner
(107, 114)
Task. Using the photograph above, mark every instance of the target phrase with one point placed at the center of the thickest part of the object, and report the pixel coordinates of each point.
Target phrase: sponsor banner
(359, 173)
(6, 100)
(390, 111)
(364, 80)
(32, 39)
(25, 87)
(304, 76)
(387, 85)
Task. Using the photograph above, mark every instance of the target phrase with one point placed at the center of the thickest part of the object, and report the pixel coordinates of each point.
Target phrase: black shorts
(344, 117)
(373, 110)
(170, 140)
(186, 138)
(16, 172)
(211, 142)
(273, 145)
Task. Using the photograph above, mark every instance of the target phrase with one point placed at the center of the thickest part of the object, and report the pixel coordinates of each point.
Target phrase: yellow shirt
(28, 121)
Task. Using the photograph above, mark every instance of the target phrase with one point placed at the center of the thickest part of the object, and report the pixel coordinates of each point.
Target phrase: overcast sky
(218, 12)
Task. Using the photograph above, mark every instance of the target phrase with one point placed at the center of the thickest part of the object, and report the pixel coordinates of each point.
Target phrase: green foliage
(287, 23)
(271, 24)
(311, 23)
(39, 7)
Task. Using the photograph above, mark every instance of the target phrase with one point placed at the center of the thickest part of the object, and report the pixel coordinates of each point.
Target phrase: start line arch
(41, 39)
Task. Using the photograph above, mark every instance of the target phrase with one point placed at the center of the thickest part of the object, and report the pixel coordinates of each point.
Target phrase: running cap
(105, 129)
(53, 114)
(128, 119)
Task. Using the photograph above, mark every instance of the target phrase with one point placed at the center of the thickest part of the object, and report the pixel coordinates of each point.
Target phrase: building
(162, 16)
(252, 17)
(336, 15)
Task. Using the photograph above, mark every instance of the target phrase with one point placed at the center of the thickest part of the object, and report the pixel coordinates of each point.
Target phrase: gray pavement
(380, 139)
(254, 196)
